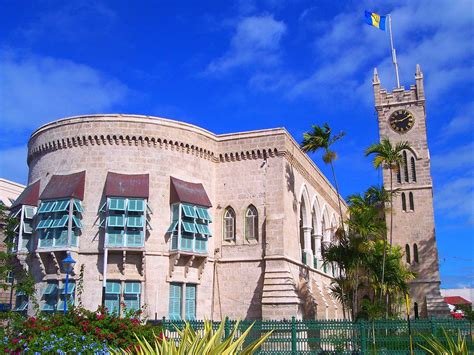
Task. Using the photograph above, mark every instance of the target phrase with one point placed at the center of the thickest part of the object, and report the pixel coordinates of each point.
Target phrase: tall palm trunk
(338, 197)
(391, 231)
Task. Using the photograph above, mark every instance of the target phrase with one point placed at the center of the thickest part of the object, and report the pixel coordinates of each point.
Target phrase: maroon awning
(123, 185)
(62, 186)
(188, 192)
(29, 196)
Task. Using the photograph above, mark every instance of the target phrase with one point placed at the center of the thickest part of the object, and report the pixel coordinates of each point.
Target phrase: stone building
(9, 192)
(168, 215)
(402, 117)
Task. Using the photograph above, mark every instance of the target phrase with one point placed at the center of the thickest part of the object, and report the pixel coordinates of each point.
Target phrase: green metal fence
(339, 336)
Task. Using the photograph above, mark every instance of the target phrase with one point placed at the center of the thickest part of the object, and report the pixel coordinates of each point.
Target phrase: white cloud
(436, 34)
(256, 41)
(36, 90)
(456, 158)
(13, 164)
(462, 124)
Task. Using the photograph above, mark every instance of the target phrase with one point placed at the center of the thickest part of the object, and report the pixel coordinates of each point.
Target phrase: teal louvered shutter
(112, 296)
(117, 204)
(190, 302)
(175, 301)
(132, 296)
(136, 205)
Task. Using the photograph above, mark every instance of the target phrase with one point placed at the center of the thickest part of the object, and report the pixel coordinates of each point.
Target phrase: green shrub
(191, 342)
(445, 345)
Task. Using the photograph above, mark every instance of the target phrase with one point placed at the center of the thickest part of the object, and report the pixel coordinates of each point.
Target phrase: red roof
(123, 185)
(454, 300)
(188, 192)
(29, 196)
(62, 186)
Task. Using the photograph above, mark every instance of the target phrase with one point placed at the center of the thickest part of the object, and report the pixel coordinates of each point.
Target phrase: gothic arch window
(399, 173)
(229, 224)
(413, 169)
(415, 253)
(407, 253)
(405, 165)
(251, 223)
(412, 202)
(404, 202)
(415, 306)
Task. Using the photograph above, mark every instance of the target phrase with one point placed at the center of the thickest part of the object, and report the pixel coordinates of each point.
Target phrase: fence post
(293, 335)
(363, 345)
(433, 325)
(226, 327)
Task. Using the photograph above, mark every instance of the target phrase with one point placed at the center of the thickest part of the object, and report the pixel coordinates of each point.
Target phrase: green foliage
(446, 345)
(321, 138)
(98, 327)
(386, 155)
(467, 310)
(206, 342)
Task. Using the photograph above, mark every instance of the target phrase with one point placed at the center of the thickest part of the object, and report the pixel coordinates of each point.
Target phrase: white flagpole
(394, 53)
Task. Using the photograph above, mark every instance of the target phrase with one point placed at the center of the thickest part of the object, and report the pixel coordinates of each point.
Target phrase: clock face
(401, 121)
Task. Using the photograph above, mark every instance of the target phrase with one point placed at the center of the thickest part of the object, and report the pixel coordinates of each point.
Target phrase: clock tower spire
(402, 117)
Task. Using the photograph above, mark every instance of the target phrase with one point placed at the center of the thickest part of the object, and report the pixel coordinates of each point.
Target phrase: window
(407, 254)
(176, 311)
(21, 302)
(131, 296)
(54, 296)
(175, 301)
(404, 202)
(54, 221)
(415, 308)
(229, 224)
(413, 169)
(23, 239)
(412, 203)
(190, 311)
(399, 173)
(112, 296)
(405, 165)
(415, 253)
(189, 228)
(125, 222)
(251, 223)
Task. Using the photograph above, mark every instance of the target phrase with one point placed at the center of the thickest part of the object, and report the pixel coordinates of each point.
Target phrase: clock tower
(402, 117)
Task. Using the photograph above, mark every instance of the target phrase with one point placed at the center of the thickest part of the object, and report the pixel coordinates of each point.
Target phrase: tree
(321, 138)
(387, 156)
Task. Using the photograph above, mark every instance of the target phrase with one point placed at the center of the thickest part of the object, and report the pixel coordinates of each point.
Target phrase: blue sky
(233, 66)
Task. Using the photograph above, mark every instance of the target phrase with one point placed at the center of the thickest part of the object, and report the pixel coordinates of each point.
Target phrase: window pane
(27, 227)
(174, 241)
(114, 237)
(203, 213)
(132, 288)
(70, 288)
(132, 302)
(134, 238)
(29, 212)
(229, 222)
(203, 229)
(189, 227)
(61, 206)
(112, 287)
(112, 303)
(46, 239)
(200, 245)
(60, 238)
(116, 204)
(189, 211)
(50, 289)
(78, 206)
(45, 223)
(135, 221)
(116, 221)
(187, 242)
(136, 205)
(173, 227)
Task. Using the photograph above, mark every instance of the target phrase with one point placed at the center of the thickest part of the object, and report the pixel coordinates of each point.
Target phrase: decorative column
(308, 253)
(317, 251)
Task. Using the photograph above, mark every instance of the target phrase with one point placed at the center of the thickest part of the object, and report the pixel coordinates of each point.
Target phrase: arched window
(412, 203)
(404, 202)
(413, 169)
(415, 253)
(251, 223)
(405, 165)
(415, 306)
(407, 253)
(399, 173)
(229, 224)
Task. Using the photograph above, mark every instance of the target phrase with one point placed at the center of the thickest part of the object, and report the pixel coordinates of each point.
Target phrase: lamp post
(68, 264)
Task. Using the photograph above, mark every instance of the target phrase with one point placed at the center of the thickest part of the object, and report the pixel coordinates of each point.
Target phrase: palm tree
(321, 138)
(388, 157)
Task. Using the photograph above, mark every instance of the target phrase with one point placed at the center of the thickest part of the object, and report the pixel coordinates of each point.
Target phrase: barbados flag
(375, 20)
